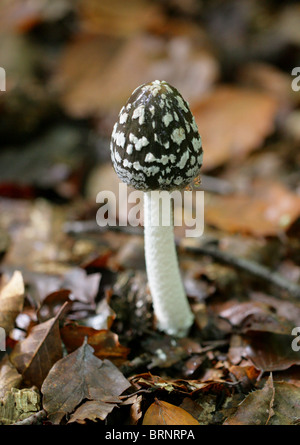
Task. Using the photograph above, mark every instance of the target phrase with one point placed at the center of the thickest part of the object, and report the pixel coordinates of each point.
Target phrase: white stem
(170, 303)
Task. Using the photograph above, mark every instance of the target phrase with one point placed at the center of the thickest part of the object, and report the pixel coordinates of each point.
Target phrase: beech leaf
(92, 379)
(104, 342)
(35, 355)
(277, 403)
(92, 410)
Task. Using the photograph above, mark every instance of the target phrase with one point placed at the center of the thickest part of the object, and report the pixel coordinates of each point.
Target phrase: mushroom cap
(155, 144)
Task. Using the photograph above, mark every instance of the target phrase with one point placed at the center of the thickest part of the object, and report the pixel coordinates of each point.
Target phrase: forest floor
(82, 344)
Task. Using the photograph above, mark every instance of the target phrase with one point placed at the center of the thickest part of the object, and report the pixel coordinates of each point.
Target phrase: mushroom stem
(170, 303)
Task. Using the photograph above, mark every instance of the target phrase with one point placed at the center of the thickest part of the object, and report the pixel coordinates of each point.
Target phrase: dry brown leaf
(256, 409)
(9, 377)
(92, 410)
(104, 342)
(269, 208)
(270, 352)
(163, 413)
(233, 122)
(277, 403)
(11, 301)
(35, 356)
(92, 379)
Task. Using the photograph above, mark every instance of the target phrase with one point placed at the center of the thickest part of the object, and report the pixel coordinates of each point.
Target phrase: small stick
(34, 419)
(256, 269)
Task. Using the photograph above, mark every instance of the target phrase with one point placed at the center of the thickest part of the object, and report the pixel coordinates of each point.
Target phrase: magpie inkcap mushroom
(155, 146)
(155, 143)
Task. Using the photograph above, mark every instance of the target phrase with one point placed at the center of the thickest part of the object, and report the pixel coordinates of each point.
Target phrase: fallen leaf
(92, 379)
(104, 342)
(286, 404)
(135, 401)
(163, 413)
(92, 410)
(84, 287)
(11, 301)
(269, 209)
(270, 352)
(255, 316)
(290, 310)
(155, 382)
(202, 409)
(267, 351)
(36, 354)
(255, 408)
(52, 304)
(246, 376)
(277, 403)
(232, 123)
(9, 376)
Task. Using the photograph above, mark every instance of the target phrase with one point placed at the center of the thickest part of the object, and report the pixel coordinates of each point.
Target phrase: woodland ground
(81, 338)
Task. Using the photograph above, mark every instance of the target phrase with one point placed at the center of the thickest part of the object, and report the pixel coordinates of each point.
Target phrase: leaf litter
(81, 338)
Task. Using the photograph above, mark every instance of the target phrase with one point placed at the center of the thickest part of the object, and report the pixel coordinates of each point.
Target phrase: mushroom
(156, 146)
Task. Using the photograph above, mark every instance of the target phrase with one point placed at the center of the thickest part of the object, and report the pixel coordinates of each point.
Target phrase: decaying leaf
(92, 410)
(202, 409)
(270, 351)
(35, 355)
(11, 301)
(163, 413)
(104, 342)
(269, 208)
(277, 403)
(92, 379)
(255, 316)
(18, 405)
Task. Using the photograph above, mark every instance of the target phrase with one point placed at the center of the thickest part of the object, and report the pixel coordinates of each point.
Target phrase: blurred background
(71, 65)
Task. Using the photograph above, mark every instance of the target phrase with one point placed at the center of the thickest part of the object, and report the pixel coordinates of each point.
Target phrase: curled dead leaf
(92, 379)
(36, 354)
(104, 342)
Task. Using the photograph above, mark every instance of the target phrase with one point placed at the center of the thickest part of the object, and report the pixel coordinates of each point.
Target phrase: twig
(215, 185)
(136, 363)
(256, 269)
(34, 419)
(87, 227)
